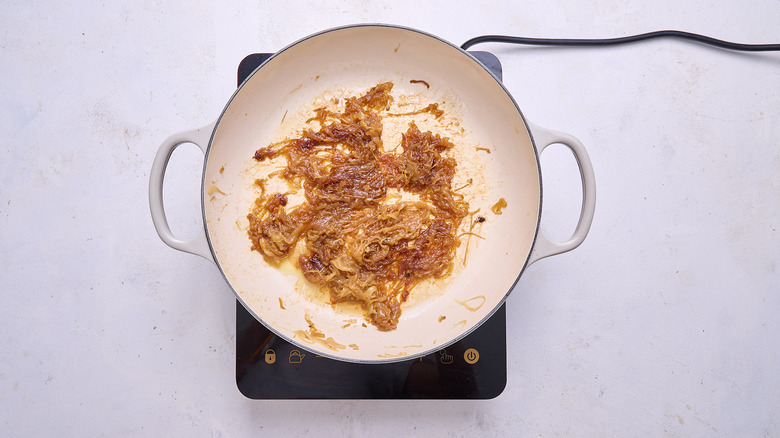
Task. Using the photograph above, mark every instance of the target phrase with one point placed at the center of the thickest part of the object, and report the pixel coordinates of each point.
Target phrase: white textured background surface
(664, 323)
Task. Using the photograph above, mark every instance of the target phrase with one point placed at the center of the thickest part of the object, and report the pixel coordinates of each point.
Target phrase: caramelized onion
(357, 245)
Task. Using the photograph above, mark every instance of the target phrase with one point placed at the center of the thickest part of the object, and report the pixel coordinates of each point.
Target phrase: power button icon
(471, 356)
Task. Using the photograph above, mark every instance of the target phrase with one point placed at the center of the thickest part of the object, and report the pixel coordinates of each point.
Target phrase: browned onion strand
(357, 245)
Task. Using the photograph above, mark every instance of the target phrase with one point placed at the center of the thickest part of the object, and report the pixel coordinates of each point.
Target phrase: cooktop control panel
(268, 367)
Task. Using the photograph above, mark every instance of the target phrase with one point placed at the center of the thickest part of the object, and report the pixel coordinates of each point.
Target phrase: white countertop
(663, 323)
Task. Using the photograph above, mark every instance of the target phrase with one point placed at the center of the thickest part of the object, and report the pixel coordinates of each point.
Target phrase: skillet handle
(200, 137)
(544, 247)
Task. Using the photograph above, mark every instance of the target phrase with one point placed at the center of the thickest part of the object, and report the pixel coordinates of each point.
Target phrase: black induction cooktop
(268, 367)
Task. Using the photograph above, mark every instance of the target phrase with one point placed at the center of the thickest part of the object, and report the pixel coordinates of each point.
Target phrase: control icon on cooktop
(296, 356)
(471, 356)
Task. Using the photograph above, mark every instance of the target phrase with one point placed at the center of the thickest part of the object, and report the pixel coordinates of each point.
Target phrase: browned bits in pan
(498, 206)
(417, 81)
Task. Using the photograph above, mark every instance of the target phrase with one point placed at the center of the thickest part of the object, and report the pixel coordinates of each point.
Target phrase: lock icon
(270, 356)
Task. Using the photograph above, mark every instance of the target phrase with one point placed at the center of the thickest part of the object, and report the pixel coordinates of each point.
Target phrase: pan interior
(355, 59)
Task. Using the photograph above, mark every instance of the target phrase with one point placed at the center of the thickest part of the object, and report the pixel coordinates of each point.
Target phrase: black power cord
(622, 40)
